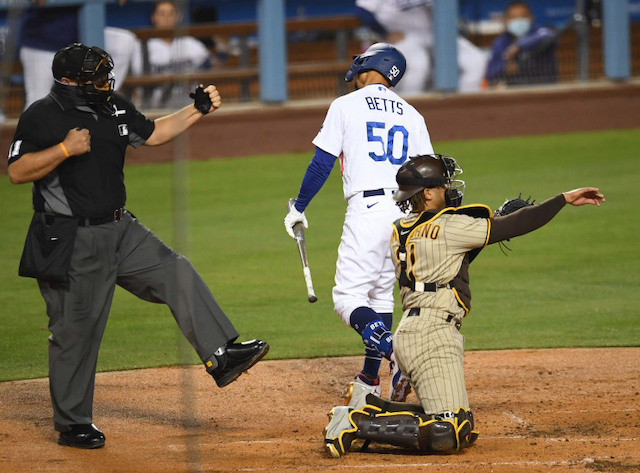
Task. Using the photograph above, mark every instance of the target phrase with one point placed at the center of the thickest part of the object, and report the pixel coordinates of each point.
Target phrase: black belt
(373, 192)
(414, 312)
(85, 222)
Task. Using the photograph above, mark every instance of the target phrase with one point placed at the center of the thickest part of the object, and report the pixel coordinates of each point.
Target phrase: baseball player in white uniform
(408, 25)
(167, 56)
(372, 131)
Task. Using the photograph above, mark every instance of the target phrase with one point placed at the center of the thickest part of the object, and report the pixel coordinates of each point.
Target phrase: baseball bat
(298, 231)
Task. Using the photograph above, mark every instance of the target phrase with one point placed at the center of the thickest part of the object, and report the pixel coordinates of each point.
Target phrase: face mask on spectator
(519, 26)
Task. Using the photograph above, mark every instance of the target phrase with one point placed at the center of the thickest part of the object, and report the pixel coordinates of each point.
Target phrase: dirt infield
(566, 410)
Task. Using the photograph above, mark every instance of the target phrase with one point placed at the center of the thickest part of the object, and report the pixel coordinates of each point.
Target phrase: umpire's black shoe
(237, 358)
(82, 436)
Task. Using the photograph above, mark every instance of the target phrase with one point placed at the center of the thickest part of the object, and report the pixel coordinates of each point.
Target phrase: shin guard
(444, 433)
(402, 430)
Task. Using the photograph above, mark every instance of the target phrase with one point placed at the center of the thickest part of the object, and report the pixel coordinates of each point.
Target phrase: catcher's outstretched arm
(525, 220)
(584, 196)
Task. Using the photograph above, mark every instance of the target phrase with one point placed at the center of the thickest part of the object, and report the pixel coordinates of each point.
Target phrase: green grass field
(572, 283)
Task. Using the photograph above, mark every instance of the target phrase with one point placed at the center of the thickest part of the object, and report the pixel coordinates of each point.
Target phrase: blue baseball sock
(371, 366)
(387, 318)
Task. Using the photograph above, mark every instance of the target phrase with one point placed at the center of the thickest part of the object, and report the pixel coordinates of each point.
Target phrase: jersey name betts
(374, 131)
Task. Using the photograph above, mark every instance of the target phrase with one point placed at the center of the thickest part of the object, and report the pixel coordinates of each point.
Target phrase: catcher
(432, 248)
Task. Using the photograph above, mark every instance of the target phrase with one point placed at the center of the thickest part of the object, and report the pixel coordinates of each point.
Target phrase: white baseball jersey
(373, 131)
(123, 46)
(402, 16)
(413, 18)
(182, 55)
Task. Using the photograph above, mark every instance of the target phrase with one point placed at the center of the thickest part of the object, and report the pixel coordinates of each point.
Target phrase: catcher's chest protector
(405, 233)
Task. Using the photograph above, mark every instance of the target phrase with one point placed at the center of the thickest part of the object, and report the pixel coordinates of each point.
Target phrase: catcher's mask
(90, 67)
(429, 171)
(380, 57)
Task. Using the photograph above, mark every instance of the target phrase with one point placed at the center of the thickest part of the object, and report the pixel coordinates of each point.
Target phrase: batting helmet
(380, 57)
(89, 66)
(429, 171)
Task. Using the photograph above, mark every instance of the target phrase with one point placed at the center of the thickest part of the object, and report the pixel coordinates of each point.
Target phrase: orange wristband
(66, 153)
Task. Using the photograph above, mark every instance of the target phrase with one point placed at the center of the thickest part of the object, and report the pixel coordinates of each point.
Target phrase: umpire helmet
(380, 57)
(89, 66)
(429, 171)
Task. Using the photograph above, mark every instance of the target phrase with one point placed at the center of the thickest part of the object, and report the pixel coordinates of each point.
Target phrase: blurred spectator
(408, 25)
(46, 30)
(123, 47)
(171, 56)
(525, 53)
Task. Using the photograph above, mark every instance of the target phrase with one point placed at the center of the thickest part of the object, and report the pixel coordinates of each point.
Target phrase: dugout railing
(319, 52)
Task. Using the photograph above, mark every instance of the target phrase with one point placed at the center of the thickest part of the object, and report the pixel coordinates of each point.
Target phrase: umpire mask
(90, 67)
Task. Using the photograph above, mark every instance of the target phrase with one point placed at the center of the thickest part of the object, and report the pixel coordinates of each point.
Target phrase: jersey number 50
(387, 147)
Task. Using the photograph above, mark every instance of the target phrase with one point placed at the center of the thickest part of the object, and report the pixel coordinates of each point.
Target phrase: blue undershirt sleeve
(317, 174)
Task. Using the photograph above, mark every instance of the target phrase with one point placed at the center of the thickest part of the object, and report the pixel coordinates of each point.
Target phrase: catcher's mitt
(511, 205)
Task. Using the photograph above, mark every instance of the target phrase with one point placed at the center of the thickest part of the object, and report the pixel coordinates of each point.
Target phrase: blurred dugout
(319, 49)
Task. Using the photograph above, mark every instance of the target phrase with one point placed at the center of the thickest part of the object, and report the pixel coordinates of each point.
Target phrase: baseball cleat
(400, 387)
(340, 432)
(236, 359)
(356, 395)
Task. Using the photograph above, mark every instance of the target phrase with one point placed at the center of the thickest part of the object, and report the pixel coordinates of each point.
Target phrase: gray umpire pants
(128, 254)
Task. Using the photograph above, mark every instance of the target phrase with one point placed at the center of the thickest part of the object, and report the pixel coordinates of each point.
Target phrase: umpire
(82, 242)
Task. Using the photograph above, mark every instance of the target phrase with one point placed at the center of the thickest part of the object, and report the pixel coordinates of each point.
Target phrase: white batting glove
(292, 218)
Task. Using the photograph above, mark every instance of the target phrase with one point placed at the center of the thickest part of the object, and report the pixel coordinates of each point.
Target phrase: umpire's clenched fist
(214, 96)
(77, 141)
(207, 99)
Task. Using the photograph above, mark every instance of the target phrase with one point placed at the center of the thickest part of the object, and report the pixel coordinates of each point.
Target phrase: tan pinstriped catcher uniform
(428, 345)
